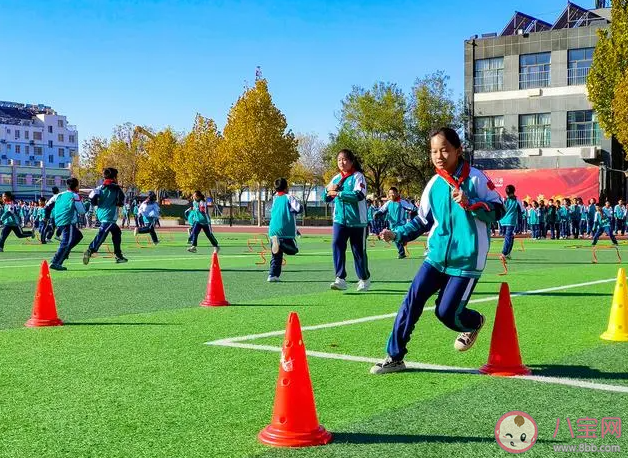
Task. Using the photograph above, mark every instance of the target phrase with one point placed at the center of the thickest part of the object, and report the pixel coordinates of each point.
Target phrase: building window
(36, 135)
(50, 181)
(17, 134)
(21, 179)
(51, 158)
(49, 129)
(18, 149)
(26, 134)
(27, 149)
(38, 150)
(534, 70)
(60, 122)
(72, 139)
(8, 148)
(488, 75)
(489, 133)
(583, 128)
(6, 180)
(72, 153)
(579, 64)
(534, 130)
(49, 143)
(62, 165)
(60, 137)
(61, 152)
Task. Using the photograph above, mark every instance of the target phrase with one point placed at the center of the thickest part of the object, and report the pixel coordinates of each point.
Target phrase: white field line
(391, 315)
(144, 259)
(433, 367)
(236, 342)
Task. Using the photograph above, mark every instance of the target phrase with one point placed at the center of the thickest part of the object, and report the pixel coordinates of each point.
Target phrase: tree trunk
(259, 205)
(230, 209)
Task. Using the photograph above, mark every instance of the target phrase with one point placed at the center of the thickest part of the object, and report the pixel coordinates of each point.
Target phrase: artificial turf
(129, 375)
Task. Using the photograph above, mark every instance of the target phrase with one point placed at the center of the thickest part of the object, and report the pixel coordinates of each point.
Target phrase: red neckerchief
(398, 199)
(108, 181)
(349, 173)
(281, 193)
(463, 173)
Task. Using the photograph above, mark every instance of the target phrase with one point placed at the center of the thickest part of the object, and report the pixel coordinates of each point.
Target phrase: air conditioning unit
(31, 158)
(591, 152)
(39, 163)
(3, 141)
(32, 142)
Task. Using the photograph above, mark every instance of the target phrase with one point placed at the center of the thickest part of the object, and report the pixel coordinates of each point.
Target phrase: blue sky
(158, 63)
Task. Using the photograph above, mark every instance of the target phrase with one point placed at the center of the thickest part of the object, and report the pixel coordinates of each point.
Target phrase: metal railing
(530, 80)
(577, 76)
(491, 81)
(592, 136)
(489, 141)
(535, 139)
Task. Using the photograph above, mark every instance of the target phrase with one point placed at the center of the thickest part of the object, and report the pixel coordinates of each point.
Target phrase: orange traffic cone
(294, 422)
(215, 296)
(44, 307)
(504, 357)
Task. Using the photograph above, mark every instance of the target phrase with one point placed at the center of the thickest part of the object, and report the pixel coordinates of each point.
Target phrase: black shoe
(58, 267)
(121, 260)
(86, 256)
(401, 256)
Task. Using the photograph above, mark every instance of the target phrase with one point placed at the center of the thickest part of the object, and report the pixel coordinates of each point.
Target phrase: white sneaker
(216, 249)
(465, 340)
(339, 284)
(192, 249)
(387, 366)
(274, 244)
(272, 279)
(364, 285)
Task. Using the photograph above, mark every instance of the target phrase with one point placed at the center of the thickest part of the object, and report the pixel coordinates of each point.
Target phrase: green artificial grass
(129, 375)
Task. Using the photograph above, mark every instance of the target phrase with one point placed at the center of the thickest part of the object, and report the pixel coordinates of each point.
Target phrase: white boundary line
(237, 342)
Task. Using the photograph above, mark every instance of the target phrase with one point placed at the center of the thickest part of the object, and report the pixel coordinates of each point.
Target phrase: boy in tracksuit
(41, 217)
(10, 220)
(457, 207)
(509, 220)
(282, 229)
(602, 223)
(608, 212)
(620, 217)
(533, 218)
(395, 210)
(574, 215)
(590, 216)
(107, 198)
(68, 209)
(563, 218)
(583, 217)
(149, 213)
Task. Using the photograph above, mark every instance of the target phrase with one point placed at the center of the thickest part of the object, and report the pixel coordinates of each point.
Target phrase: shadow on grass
(105, 323)
(580, 372)
(372, 438)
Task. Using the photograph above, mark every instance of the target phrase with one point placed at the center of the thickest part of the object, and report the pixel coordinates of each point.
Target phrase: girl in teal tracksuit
(201, 221)
(348, 192)
(395, 210)
(602, 223)
(457, 208)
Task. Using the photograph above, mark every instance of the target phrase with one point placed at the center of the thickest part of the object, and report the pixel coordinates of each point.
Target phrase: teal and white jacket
(513, 210)
(459, 238)
(395, 211)
(283, 223)
(350, 203)
(68, 207)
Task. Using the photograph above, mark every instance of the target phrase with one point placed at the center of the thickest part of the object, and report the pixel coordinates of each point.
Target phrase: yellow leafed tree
(123, 153)
(257, 146)
(155, 167)
(196, 163)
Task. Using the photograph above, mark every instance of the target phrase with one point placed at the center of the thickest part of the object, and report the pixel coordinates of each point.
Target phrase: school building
(37, 146)
(525, 89)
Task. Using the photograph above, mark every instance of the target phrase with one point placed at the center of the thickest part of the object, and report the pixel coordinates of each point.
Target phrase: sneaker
(339, 284)
(465, 340)
(58, 267)
(216, 249)
(401, 256)
(364, 285)
(121, 260)
(192, 249)
(274, 244)
(272, 279)
(387, 366)
(156, 243)
(86, 256)
(508, 257)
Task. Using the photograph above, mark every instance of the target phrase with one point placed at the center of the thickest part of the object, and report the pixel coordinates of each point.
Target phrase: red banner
(537, 184)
